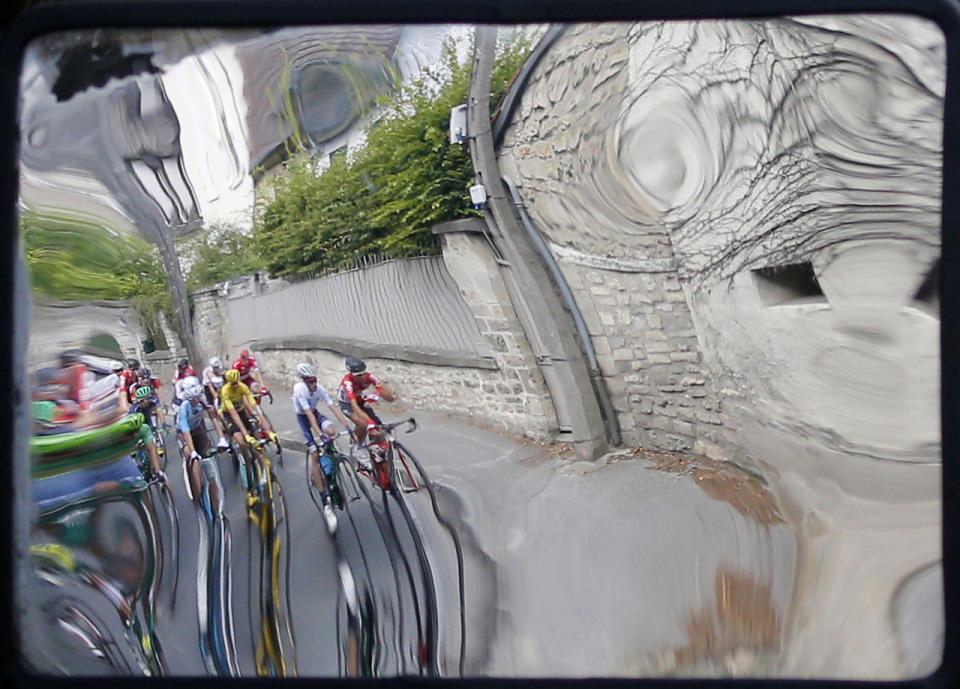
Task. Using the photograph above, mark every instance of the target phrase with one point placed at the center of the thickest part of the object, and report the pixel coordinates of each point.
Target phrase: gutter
(586, 344)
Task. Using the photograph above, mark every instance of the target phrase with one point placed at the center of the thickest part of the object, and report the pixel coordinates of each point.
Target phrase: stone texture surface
(669, 164)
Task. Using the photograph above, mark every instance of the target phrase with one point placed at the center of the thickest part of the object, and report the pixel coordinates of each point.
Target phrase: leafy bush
(77, 260)
(73, 259)
(217, 253)
(383, 199)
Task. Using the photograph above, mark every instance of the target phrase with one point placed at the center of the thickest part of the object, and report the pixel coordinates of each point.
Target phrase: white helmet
(305, 370)
(215, 362)
(192, 390)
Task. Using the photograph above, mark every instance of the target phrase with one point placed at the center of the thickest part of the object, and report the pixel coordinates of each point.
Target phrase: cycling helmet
(355, 365)
(305, 370)
(244, 353)
(215, 362)
(143, 392)
(182, 364)
(144, 372)
(116, 366)
(232, 376)
(192, 390)
(69, 357)
(133, 364)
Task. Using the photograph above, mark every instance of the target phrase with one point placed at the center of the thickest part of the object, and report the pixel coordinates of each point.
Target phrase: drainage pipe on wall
(502, 117)
(596, 376)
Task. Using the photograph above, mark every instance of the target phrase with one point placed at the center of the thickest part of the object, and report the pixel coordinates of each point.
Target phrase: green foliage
(383, 198)
(73, 259)
(78, 260)
(218, 253)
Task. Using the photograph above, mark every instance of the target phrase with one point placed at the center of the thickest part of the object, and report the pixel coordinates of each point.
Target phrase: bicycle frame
(385, 468)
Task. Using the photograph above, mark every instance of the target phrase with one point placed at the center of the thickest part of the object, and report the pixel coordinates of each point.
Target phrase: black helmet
(182, 364)
(70, 356)
(355, 365)
(133, 364)
(144, 372)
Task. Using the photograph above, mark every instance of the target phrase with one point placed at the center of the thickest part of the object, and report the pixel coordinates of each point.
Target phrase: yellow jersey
(233, 394)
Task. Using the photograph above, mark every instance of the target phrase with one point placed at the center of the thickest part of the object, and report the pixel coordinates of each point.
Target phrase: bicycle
(260, 433)
(209, 475)
(384, 453)
(267, 514)
(336, 495)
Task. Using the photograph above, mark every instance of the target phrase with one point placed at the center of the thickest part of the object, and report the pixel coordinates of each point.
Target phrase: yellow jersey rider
(238, 407)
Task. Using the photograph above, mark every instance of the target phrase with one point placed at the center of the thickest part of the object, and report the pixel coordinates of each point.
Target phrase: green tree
(217, 253)
(383, 199)
(78, 260)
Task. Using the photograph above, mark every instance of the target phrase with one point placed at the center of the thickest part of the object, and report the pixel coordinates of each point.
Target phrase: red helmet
(244, 353)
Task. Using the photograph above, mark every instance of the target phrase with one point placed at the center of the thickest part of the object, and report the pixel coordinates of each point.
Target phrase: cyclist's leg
(145, 436)
(327, 427)
(202, 445)
(231, 429)
(253, 454)
(375, 435)
(313, 452)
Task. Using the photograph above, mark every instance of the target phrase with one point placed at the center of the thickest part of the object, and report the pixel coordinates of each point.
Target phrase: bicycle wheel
(403, 466)
(334, 484)
(161, 443)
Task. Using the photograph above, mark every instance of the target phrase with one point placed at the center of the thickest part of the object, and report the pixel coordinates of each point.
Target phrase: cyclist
(238, 421)
(193, 434)
(212, 379)
(184, 371)
(354, 403)
(249, 372)
(144, 377)
(130, 374)
(307, 394)
(146, 401)
(117, 369)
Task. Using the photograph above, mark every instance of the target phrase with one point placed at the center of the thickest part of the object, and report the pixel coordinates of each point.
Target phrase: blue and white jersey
(190, 416)
(304, 400)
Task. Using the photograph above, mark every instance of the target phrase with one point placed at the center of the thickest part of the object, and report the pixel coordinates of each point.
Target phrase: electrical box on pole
(458, 124)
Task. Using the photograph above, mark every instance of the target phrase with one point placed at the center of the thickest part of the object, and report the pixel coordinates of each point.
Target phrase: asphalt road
(509, 561)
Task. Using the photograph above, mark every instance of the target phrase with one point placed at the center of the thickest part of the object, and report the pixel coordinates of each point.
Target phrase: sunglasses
(310, 381)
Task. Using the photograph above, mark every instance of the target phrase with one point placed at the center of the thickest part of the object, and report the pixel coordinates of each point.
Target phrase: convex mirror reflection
(662, 400)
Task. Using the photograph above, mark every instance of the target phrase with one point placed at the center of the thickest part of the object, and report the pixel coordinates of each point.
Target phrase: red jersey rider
(129, 376)
(353, 399)
(249, 372)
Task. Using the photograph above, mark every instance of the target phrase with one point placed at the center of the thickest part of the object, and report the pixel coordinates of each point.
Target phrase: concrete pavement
(633, 565)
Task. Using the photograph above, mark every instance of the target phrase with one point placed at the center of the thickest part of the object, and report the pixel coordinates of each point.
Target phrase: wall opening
(928, 294)
(104, 344)
(789, 284)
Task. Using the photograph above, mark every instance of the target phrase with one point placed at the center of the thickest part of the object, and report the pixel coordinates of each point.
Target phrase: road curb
(289, 442)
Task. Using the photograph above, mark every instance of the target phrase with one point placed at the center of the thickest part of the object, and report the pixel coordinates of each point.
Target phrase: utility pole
(543, 317)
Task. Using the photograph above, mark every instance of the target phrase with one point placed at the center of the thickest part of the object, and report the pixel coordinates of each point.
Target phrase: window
(778, 285)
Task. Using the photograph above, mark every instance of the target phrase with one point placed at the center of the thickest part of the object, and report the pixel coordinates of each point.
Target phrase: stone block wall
(614, 252)
(484, 396)
(646, 345)
(472, 266)
(507, 392)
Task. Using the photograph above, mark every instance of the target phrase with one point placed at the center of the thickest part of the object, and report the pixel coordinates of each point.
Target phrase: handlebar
(396, 424)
